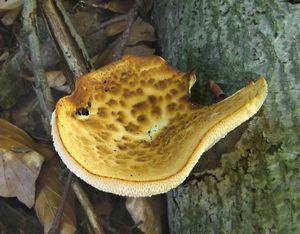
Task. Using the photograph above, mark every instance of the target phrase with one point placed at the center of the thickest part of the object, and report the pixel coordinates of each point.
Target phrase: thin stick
(41, 86)
(132, 14)
(69, 42)
(46, 102)
(59, 213)
(109, 22)
(216, 90)
(84, 201)
(87, 207)
(113, 20)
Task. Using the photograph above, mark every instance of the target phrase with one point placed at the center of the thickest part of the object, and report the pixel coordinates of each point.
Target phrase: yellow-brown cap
(129, 128)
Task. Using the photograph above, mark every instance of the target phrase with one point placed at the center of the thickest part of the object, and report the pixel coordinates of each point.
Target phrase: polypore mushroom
(129, 128)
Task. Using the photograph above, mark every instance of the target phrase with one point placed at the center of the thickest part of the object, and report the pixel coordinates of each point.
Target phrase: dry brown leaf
(106, 56)
(23, 114)
(115, 28)
(87, 25)
(142, 50)
(143, 213)
(140, 31)
(13, 132)
(10, 4)
(49, 190)
(56, 80)
(119, 6)
(19, 165)
(26, 115)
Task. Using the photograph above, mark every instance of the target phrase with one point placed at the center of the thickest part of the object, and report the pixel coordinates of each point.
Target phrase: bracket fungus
(129, 128)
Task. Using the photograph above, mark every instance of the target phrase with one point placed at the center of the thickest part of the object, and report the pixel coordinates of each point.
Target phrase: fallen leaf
(115, 28)
(24, 114)
(56, 80)
(49, 191)
(87, 23)
(143, 214)
(20, 164)
(140, 31)
(10, 4)
(11, 131)
(105, 57)
(141, 50)
(119, 6)
(11, 86)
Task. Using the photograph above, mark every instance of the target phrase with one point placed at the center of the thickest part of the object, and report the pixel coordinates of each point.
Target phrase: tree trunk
(253, 184)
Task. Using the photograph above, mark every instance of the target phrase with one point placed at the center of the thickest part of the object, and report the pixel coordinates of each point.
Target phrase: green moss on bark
(256, 189)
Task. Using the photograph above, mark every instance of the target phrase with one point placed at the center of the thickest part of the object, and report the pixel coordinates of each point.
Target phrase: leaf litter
(49, 191)
(20, 164)
(21, 158)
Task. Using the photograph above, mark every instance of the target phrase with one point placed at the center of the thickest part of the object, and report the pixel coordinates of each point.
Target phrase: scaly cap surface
(129, 128)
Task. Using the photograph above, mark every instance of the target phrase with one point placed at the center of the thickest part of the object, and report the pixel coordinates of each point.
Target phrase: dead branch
(42, 89)
(73, 50)
(132, 14)
(87, 206)
(56, 222)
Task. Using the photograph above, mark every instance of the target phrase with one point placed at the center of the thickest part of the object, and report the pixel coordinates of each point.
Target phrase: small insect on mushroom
(139, 135)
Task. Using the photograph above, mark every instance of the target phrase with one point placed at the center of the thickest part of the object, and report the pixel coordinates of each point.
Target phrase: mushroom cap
(129, 128)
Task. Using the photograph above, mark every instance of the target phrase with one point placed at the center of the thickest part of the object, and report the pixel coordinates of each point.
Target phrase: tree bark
(253, 186)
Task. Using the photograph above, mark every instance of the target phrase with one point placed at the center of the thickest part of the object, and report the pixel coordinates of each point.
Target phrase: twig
(41, 86)
(56, 222)
(113, 20)
(109, 22)
(84, 201)
(73, 50)
(70, 43)
(132, 14)
(87, 206)
(47, 104)
(216, 90)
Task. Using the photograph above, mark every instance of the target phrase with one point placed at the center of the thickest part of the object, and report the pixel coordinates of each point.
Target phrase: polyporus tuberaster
(129, 128)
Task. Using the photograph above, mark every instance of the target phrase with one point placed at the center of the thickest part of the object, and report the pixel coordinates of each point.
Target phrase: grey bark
(254, 186)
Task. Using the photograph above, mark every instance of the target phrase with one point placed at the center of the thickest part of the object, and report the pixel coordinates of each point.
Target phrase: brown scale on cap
(130, 125)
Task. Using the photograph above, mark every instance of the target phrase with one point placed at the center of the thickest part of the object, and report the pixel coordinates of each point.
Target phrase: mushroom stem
(87, 207)
(55, 225)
